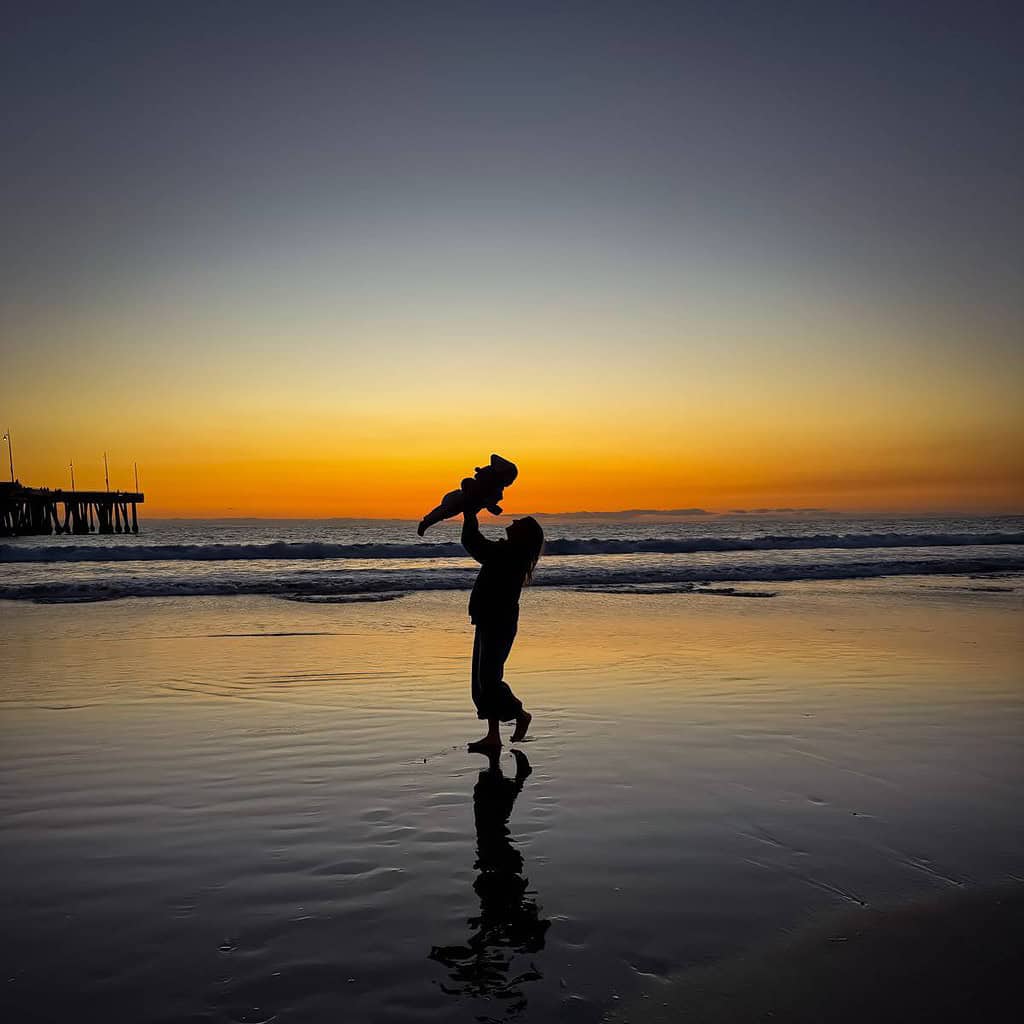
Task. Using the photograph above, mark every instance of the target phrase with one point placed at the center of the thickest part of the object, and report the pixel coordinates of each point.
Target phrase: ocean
(340, 560)
(774, 772)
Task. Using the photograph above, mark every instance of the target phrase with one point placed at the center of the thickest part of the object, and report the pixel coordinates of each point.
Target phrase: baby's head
(500, 471)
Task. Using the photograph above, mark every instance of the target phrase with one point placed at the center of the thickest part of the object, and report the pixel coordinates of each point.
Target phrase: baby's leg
(451, 505)
(435, 515)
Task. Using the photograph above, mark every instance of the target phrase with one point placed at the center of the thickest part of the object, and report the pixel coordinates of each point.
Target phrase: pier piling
(26, 511)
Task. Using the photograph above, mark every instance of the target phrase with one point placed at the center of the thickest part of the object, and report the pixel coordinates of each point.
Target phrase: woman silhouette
(505, 565)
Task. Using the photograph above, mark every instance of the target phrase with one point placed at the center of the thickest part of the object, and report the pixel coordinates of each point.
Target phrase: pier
(32, 511)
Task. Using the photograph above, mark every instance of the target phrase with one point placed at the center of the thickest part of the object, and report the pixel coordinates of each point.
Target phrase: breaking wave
(128, 551)
(384, 584)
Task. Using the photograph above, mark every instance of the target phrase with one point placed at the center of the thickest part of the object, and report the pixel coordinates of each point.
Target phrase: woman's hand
(470, 501)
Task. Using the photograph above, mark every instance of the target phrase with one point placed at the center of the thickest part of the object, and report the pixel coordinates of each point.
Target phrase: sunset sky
(321, 260)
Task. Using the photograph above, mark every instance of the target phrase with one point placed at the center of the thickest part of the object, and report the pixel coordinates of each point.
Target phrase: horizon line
(616, 512)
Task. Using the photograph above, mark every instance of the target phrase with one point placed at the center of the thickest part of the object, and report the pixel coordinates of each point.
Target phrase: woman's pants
(492, 696)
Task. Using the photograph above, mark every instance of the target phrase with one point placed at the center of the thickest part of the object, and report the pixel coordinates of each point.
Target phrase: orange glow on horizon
(377, 483)
(384, 427)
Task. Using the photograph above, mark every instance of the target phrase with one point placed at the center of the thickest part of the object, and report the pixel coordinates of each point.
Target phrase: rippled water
(345, 560)
(246, 809)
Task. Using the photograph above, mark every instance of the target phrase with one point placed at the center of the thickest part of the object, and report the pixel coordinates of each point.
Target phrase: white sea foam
(328, 561)
(129, 551)
(652, 576)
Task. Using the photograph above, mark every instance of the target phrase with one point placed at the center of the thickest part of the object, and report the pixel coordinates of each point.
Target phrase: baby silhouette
(482, 490)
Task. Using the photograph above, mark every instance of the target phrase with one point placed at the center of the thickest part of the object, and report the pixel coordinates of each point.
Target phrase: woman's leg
(501, 702)
(492, 696)
(475, 685)
(493, 738)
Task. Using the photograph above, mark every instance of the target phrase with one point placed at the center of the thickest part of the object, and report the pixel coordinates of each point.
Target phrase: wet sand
(251, 809)
(957, 956)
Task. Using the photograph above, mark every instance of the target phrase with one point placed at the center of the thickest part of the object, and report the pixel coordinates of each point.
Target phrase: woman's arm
(472, 539)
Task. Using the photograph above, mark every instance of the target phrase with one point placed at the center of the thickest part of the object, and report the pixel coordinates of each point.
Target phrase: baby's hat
(507, 469)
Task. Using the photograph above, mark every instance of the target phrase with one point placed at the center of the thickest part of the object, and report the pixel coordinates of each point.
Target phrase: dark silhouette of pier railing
(38, 510)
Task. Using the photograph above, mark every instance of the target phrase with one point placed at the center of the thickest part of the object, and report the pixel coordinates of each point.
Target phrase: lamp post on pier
(106, 472)
(10, 452)
(72, 465)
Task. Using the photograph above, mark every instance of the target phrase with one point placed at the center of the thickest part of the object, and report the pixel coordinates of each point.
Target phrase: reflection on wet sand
(509, 923)
(202, 824)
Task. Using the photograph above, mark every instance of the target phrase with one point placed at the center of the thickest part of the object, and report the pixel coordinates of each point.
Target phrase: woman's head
(527, 538)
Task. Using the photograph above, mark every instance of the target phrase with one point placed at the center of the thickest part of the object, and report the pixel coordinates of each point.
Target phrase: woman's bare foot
(491, 743)
(487, 745)
(523, 721)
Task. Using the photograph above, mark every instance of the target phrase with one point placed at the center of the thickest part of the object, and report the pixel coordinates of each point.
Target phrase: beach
(251, 809)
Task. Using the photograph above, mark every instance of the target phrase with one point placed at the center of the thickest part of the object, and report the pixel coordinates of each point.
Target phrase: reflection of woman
(505, 565)
(509, 920)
